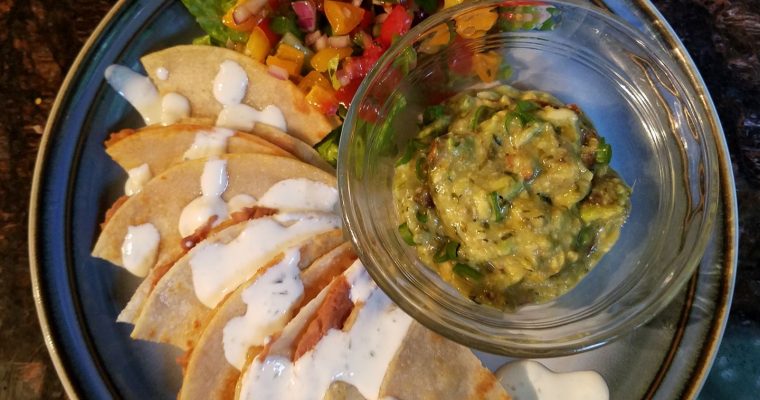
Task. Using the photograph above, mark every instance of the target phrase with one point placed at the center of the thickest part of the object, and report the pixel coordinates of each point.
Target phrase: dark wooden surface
(40, 39)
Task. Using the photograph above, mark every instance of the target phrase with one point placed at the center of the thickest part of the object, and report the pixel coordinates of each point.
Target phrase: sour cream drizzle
(138, 90)
(138, 177)
(230, 83)
(243, 117)
(209, 203)
(239, 202)
(359, 357)
(229, 88)
(270, 299)
(218, 268)
(208, 144)
(139, 249)
(527, 379)
(174, 107)
(300, 195)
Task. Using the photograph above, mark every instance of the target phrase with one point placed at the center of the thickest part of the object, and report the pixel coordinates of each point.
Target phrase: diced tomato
(346, 93)
(460, 58)
(368, 19)
(264, 25)
(398, 23)
(358, 67)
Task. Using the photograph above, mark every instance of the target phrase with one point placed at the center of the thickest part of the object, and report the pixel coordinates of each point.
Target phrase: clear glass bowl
(638, 100)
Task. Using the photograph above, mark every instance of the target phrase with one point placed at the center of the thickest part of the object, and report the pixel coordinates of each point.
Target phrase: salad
(327, 47)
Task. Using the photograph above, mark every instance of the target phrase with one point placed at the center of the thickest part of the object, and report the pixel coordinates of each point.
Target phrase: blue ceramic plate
(78, 297)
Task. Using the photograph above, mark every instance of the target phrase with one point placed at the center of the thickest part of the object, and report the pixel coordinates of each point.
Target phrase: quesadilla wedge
(191, 73)
(289, 143)
(178, 307)
(210, 373)
(160, 147)
(352, 342)
(162, 201)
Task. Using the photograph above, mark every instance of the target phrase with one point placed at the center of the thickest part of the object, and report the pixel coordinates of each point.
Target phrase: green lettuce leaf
(209, 15)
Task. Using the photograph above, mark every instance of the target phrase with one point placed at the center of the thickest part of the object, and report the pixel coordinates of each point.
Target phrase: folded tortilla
(161, 146)
(424, 366)
(191, 72)
(174, 315)
(162, 199)
(208, 374)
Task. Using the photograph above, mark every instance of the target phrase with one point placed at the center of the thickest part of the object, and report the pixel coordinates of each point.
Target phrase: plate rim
(729, 231)
(39, 166)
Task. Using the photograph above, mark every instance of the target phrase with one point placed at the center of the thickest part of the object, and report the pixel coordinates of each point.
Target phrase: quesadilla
(177, 309)
(161, 146)
(192, 70)
(162, 201)
(213, 366)
(352, 342)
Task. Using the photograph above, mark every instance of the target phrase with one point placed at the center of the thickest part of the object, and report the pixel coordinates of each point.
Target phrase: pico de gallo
(327, 47)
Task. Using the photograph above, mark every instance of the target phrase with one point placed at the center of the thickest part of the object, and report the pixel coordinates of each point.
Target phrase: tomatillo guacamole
(509, 195)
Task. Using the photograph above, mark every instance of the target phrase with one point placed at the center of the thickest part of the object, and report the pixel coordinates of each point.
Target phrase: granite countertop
(40, 39)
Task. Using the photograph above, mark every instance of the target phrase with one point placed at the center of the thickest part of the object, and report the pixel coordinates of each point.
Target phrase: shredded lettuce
(208, 14)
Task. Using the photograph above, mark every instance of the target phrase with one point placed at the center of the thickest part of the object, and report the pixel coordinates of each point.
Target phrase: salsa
(509, 195)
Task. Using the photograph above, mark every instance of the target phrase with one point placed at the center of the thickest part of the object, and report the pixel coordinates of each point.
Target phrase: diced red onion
(241, 14)
(339, 41)
(312, 37)
(321, 43)
(306, 12)
(278, 72)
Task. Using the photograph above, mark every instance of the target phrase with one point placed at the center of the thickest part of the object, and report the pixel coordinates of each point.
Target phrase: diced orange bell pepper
(486, 65)
(343, 17)
(290, 53)
(439, 37)
(475, 24)
(243, 26)
(312, 79)
(321, 60)
(287, 65)
(323, 99)
(258, 45)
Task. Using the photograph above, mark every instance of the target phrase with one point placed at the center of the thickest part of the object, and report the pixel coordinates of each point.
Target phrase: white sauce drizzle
(243, 117)
(219, 268)
(138, 177)
(139, 249)
(174, 107)
(230, 83)
(527, 379)
(137, 89)
(300, 194)
(361, 283)
(239, 202)
(162, 73)
(270, 299)
(359, 357)
(208, 144)
(209, 203)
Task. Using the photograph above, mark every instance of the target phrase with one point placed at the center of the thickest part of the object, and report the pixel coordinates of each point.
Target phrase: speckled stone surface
(40, 39)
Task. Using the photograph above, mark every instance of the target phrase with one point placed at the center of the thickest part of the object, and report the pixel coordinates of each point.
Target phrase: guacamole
(508, 195)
